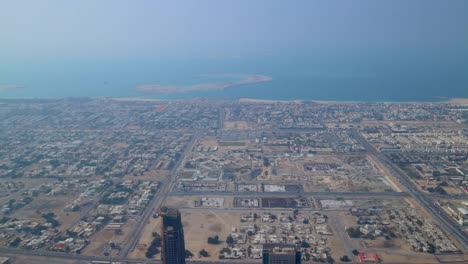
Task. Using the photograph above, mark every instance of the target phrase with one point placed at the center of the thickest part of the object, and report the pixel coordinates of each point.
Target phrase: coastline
(143, 98)
(444, 100)
(462, 101)
(270, 101)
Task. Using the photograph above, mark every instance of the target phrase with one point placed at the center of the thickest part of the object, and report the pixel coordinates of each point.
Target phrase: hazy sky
(231, 28)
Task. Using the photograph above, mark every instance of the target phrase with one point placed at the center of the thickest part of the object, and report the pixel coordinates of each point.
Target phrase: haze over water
(292, 79)
(313, 50)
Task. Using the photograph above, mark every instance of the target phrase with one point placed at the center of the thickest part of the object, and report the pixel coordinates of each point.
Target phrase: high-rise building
(173, 245)
(281, 254)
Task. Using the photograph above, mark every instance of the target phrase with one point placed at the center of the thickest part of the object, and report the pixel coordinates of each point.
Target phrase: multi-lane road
(445, 221)
(426, 201)
(131, 241)
(166, 186)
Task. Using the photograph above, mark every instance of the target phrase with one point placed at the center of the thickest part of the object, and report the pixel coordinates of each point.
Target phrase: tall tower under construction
(281, 254)
(173, 244)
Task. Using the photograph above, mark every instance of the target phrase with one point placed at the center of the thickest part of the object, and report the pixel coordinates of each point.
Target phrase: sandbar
(10, 87)
(212, 86)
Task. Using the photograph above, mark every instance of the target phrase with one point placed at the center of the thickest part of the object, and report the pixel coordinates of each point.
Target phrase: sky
(228, 29)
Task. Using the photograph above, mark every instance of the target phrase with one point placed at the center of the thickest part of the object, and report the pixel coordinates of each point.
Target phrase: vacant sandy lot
(152, 175)
(28, 184)
(146, 238)
(41, 205)
(100, 240)
(189, 201)
(236, 125)
(403, 256)
(199, 225)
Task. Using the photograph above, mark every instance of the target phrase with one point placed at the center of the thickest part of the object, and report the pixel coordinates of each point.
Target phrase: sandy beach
(458, 100)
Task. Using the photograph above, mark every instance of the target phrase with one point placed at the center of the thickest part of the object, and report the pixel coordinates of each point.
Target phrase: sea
(320, 78)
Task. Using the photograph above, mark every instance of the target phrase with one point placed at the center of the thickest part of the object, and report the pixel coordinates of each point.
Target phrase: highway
(56, 258)
(449, 196)
(133, 239)
(445, 221)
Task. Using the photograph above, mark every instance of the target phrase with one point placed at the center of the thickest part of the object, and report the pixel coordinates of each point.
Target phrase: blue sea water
(294, 78)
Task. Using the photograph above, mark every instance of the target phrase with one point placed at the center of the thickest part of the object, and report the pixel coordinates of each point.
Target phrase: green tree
(203, 253)
(188, 254)
(230, 240)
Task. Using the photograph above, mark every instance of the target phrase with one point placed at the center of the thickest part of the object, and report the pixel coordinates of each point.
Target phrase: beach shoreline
(149, 98)
(458, 100)
(269, 101)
